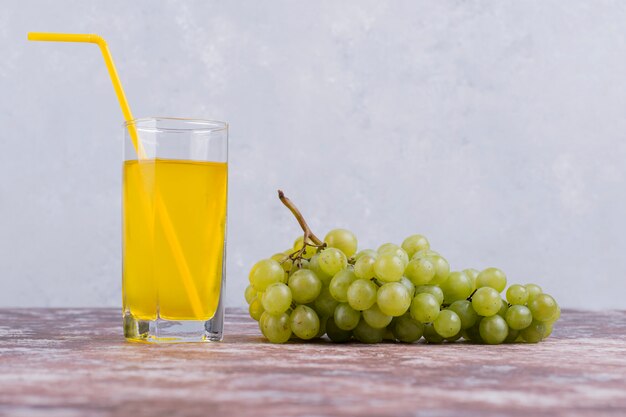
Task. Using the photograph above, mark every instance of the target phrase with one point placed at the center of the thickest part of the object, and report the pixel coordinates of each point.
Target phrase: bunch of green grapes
(396, 293)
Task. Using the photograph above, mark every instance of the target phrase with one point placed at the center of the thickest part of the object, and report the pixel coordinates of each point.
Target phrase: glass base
(173, 331)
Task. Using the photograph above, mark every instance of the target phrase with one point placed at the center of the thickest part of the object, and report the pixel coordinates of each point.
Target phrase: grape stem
(468, 299)
(309, 236)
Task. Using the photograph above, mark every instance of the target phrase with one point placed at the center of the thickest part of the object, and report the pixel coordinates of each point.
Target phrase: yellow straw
(177, 251)
(108, 60)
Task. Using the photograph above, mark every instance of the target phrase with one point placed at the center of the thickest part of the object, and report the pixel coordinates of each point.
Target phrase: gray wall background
(496, 128)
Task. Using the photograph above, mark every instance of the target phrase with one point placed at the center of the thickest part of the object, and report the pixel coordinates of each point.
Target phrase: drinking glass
(174, 229)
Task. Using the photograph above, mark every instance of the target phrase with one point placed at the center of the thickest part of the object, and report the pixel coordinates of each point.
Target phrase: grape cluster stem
(309, 236)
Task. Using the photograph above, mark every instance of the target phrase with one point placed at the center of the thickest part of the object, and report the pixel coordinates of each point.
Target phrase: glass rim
(195, 125)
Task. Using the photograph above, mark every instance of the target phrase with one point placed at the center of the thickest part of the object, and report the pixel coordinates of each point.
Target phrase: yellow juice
(173, 238)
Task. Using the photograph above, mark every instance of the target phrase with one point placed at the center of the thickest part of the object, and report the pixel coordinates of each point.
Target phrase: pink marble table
(74, 362)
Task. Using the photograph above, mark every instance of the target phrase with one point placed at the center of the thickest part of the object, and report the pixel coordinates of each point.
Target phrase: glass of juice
(174, 230)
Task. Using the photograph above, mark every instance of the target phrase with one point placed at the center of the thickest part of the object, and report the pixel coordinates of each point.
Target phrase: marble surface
(74, 362)
(496, 128)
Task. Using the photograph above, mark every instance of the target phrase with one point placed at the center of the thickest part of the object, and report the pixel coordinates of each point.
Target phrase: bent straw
(108, 60)
(166, 222)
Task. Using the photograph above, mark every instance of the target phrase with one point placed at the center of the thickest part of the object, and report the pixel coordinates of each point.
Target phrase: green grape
(362, 294)
(447, 324)
(493, 330)
(424, 308)
(400, 253)
(408, 285)
(252, 271)
(276, 329)
(407, 330)
(315, 267)
(365, 333)
(512, 336)
(387, 248)
(332, 260)
(466, 313)
(472, 274)
(364, 267)
(503, 308)
(543, 307)
(486, 301)
(548, 330)
(535, 332)
(266, 272)
(442, 269)
(473, 333)
(345, 317)
(388, 268)
(342, 239)
(555, 316)
(322, 331)
(305, 286)
(533, 290)
(336, 334)
(305, 323)
(491, 277)
(517, 295)
(250, 294)
(425, 253)
(308, 252)
(420, 271)
(325, 304)
(283, 260)
(277, 298)
(256, 308)
(261, 318)
(393, 299)
(518, 317)
(340, 283)
(298, 265)
(395, 250)
(376, 318)
(430, 289)
(431, 335)
(415, 243)
(458, 286)
(389, 334)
